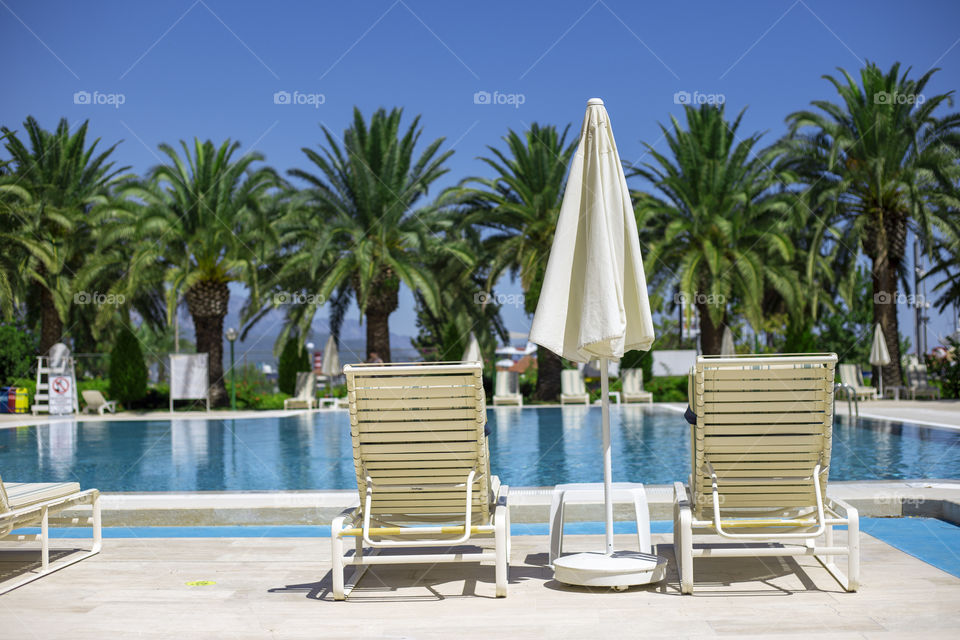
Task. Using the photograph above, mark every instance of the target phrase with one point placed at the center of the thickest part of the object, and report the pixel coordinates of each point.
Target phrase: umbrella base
(621, 570)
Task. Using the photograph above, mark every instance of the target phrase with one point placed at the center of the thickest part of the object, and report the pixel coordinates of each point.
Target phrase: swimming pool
(528, 447)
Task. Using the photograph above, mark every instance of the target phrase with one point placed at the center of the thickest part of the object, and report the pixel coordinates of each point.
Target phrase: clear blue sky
(210, 68)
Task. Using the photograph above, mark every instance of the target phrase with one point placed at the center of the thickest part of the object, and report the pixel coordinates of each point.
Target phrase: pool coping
(937, 498)
(14, 421)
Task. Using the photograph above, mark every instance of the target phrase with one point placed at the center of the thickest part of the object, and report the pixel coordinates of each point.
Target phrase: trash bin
(20, 399)
(5, 406)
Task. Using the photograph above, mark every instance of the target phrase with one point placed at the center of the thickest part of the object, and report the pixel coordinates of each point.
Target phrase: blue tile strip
(934, 541)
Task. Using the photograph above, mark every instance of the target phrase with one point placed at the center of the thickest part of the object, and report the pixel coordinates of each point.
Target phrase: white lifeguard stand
(56, 382)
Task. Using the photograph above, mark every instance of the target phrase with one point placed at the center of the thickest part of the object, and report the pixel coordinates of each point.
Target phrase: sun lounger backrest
(632, 380)
(917, 376)
(571, 383)
(417, 432)
(763, 422)
(4, 501)
(848, 375)
(506, 385)
(306, 383)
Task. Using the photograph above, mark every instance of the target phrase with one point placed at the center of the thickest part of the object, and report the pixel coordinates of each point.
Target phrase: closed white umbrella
(879, 356)
(593, 303)
(726, 343)
(472, 353)
(331, 366)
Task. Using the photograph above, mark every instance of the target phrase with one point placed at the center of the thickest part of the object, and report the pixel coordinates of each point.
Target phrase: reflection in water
(188, 447)
(505, 419)
(57, 448)
(528, 447)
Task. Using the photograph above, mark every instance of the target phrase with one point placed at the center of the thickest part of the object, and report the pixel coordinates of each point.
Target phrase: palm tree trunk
(885, 312)
(51, 327)
(378, 334)
(207, 302)
(549, 367)
(886, 247)
(383, 300)
(711, 334)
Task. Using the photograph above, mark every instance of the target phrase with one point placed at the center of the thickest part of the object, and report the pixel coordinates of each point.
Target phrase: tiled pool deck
(279, 586)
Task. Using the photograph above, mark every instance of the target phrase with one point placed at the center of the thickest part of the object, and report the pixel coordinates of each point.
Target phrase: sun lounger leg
(45, 540)
(851, 581)
(501, 541)
(336, 555)
(556, 526)
(642, 514)
(683, 537)
(97, 526)
(853, 543)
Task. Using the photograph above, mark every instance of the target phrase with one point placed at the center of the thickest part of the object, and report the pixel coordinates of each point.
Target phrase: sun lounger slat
(420, 425)
(763, 428)
(780, 420)
(469, 437)
(418, 404)
(391, 414)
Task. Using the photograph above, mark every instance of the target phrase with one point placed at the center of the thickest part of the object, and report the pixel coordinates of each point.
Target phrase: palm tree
(717, 234)
(946, 264)
(202, 219)
(58, 182)
(370, 229)
(878, 164)
(444, 333)
(520, 205)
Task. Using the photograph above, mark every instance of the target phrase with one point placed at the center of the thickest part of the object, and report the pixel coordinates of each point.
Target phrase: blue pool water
(528, 447)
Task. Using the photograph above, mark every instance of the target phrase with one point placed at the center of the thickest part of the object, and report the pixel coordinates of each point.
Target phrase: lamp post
(231, 338)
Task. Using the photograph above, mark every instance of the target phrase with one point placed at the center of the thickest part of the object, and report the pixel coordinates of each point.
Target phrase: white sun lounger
(761, 455)
(507, 390)
(633, 390)
(572, 388)
(303, 397)
(852, 377)
(42, 503)
(96, 402)
(423, 471)
(918, 382)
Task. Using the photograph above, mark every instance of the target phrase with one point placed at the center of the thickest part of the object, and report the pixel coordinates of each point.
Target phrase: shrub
(292, 361)
(17, 351)
(668, 388)
(946, 370)
(128, 371)
(639, 360)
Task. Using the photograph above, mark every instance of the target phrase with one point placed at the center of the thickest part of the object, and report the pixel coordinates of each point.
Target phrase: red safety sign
(60, 384)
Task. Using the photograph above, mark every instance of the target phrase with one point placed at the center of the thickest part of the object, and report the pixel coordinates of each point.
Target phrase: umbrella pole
(607, 460)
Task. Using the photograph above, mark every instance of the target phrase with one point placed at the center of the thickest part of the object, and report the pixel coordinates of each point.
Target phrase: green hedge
(668, 388)
(292, 361)
(128, 371)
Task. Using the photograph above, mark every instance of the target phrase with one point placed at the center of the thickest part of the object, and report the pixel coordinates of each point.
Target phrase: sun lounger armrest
(680, 495)
(82, 497)
(717, 521)
(468, 517)
(842, 508)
